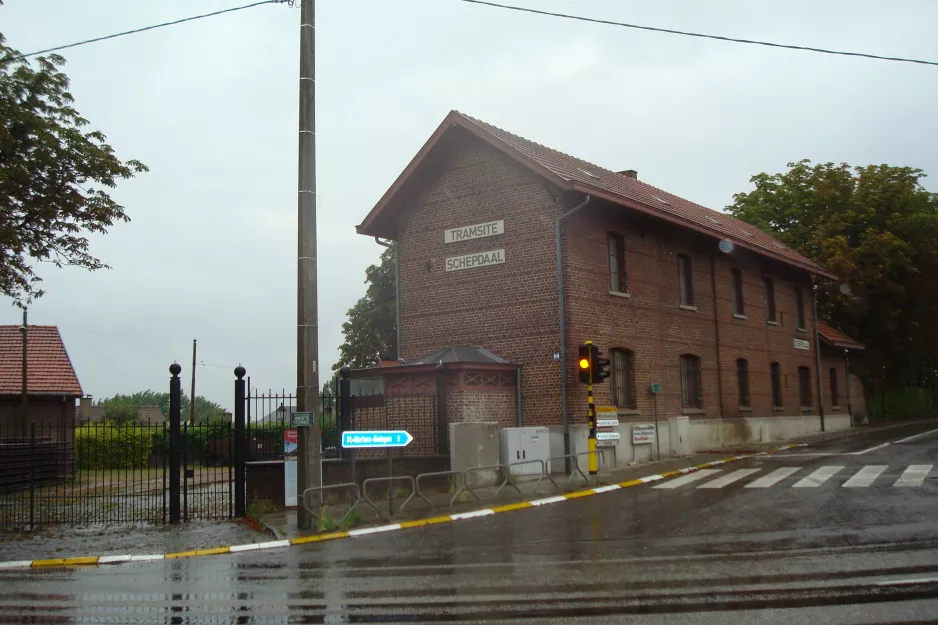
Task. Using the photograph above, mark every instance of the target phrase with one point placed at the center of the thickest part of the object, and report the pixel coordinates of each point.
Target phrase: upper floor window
(775, 370)
(617, 281)
(770, 300)
(742, 382)
(738, 306)
(691, 390)
(804, 387)
(799, 307)
(686, 277)
(623, 378)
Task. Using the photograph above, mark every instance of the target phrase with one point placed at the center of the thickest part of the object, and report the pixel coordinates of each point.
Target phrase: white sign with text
(479, 259)
(801, 344)
(476, 231)
(643, 433)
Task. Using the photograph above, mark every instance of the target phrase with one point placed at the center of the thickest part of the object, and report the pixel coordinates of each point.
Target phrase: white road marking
(374, 530)
(900, 582)
(729, 478)
(547, 500)
(471, 515)
(818, 477)
(687, 479)
(866, 451)
(914, 475)
(865, 476)
(774, 477)
(914, 436)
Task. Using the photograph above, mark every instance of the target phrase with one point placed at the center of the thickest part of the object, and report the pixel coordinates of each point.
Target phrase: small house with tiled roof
(528, 252)
(52, 385)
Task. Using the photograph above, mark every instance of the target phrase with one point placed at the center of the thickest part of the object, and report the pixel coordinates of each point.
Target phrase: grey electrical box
(521, 444)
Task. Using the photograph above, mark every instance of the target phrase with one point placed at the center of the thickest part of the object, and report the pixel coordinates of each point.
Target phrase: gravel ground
(134, 539)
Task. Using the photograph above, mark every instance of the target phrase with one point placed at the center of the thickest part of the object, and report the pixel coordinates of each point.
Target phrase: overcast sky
(211, 107)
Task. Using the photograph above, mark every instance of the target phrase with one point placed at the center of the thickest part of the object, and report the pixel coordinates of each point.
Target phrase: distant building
(52, 384)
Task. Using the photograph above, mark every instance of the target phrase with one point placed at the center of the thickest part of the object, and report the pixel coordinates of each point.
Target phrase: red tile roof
(48, 368)
(834, 337)
(571, 173)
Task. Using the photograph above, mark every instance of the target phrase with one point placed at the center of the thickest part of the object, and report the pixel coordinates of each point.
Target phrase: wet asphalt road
(741, 545)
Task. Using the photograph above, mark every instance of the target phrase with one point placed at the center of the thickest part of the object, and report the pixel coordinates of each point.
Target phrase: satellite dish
(726, 246)
(845, 288)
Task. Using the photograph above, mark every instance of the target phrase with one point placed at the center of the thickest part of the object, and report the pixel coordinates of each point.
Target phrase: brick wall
(414, 413)
(509, 309)
(476, 406)
(652, 324)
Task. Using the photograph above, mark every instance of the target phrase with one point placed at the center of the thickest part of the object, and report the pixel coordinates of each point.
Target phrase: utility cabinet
(519, 444)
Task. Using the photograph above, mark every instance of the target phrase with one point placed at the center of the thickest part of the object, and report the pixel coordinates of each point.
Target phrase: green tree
(206, 410)
(371, 330)
(121, 411)
(52, 175)
(876, 227)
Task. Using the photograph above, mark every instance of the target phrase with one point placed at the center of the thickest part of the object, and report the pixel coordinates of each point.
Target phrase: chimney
(629, 173)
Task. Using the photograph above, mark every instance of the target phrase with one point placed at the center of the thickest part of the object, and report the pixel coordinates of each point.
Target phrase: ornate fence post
(175, 393)
(239, 443)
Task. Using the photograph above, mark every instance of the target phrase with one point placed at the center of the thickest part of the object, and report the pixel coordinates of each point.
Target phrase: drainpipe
(817, 353)
(519, 419)
(563, 332)
(397, 297)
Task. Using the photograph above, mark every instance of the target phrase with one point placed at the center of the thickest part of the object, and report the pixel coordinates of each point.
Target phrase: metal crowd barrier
(489, 467)
(540, 477)
(390, 480)
(461, 480)
(307, 495)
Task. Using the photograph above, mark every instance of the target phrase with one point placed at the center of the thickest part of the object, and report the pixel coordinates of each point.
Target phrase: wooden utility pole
(192, 389)
(309, 467)
(24, 417)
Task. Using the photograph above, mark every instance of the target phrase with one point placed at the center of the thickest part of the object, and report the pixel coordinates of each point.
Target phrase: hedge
(107, 446)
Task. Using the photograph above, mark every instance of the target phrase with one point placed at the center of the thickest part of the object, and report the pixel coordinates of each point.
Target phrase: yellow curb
(512, 506)
(631, 483)
(668, 474)
(81, 561)
(333, 536)
(181, 554)
(582, 493)
(431, 521)
(213, 552)
(49, 562)
(302, 540)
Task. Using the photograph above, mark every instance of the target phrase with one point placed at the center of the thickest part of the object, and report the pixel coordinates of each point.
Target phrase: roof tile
(587, 174)
(49, 370)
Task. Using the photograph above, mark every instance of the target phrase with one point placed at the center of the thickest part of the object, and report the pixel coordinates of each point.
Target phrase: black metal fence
(270, 416)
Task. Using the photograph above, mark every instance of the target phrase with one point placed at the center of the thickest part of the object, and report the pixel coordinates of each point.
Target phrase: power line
(701, 35)
(153, 27)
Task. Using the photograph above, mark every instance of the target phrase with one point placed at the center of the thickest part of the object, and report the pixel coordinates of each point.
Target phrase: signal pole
(309, 466)
(591, 416)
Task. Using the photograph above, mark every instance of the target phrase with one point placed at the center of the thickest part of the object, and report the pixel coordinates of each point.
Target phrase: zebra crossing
(912, 476)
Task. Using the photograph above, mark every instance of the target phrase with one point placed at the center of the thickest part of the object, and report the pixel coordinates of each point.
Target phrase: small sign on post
(655, 388)
(302, 419)
(376, 439)
(607, 426)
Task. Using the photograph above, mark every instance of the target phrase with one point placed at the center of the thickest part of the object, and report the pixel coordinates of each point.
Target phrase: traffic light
(584, 362)
(599, 366)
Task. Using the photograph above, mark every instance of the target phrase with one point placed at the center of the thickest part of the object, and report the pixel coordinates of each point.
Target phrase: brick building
(715, 311)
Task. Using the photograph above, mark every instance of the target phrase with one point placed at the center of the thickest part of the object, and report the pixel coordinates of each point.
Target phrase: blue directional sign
(368, 440)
